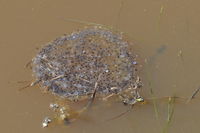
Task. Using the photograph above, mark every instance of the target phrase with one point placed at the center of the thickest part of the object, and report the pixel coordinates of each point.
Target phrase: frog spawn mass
(71, 65)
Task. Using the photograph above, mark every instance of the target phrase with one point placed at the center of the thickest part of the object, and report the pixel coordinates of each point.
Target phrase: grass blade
(170, 113)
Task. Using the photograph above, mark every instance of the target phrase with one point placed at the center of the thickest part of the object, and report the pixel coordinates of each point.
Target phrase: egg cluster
(71, 65)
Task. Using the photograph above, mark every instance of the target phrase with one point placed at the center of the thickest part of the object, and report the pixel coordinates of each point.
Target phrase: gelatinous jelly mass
(71, 65)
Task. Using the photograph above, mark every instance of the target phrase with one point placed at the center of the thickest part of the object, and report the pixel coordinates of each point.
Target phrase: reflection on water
(165, 36)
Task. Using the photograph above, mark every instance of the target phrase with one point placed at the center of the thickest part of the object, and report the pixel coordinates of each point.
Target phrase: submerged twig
(19, 82)
(121, 114)
(165, 97)
(29, 64)
(152, 93)
(30, 85)
(154, 103)
(74, 115)
(161, 10)
(119, 14)
(94, 93)
(171, 101)
(81, 21)
(193, 95)
(89, 23)
(160, 16)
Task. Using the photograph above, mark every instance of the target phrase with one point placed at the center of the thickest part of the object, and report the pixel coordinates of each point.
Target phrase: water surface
(165, 36)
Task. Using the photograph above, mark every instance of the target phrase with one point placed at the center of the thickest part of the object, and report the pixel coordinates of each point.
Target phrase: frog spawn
(91, 61)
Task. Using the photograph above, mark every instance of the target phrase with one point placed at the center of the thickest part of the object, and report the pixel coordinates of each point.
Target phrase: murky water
(166, 37)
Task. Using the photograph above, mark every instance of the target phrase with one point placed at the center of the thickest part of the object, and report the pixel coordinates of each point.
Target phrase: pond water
(165, 35)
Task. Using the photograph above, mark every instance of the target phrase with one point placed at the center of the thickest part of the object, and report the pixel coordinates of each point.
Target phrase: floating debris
(134, 63)
(54, 106)
(62, 110)
(46, 122)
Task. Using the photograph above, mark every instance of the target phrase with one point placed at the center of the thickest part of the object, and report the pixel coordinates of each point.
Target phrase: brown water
(166, 34)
